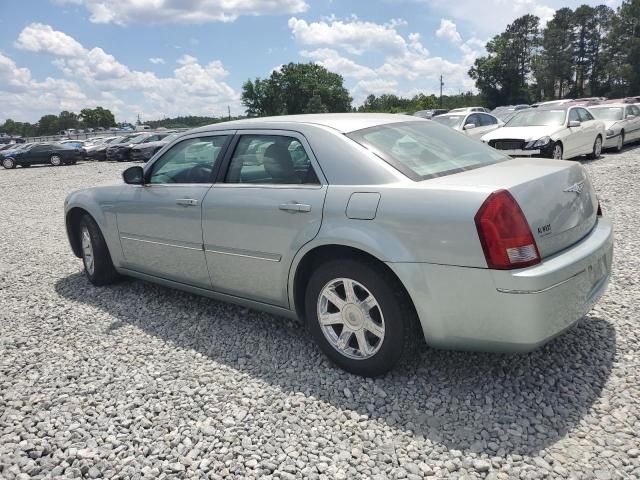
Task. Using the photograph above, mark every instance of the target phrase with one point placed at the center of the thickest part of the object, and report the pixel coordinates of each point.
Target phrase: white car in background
(559, 132)
(473, 124)
(469, 109)
(622, 121)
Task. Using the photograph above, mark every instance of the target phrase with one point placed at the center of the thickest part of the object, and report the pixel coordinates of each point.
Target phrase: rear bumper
(513, 311)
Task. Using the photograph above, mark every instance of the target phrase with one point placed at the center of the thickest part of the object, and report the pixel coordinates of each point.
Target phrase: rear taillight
(504, 233)
(599, 211)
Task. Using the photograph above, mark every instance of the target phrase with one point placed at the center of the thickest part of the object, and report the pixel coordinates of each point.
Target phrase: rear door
(160, 223)
(266, 205)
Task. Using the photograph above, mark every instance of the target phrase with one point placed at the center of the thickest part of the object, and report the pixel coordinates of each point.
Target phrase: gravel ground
(137, 380)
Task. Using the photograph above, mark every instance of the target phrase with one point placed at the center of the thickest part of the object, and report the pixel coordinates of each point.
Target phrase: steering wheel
(199, 174)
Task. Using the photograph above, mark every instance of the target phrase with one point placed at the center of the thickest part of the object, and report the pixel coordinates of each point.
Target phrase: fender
(100, 204)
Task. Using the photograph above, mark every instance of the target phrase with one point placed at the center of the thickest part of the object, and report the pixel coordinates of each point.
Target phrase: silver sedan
(375, 230)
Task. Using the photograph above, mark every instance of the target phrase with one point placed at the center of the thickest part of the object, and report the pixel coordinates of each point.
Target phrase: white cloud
(189, 11)
(354, 36)
(97, 77)
(42, 38)
(157, 60)
(331, 60)
(449, 31)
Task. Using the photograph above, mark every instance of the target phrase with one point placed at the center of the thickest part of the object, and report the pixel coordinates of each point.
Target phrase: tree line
(53, 124)
(589, 51)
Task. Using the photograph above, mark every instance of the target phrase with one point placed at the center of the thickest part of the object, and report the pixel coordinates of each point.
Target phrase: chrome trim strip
(235, 253)
(527, 292)
(160, 243)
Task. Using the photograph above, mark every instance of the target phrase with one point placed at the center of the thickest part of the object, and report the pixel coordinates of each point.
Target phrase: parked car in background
(552, 103)
(98, 151)
(359, 224)
(428, 114)
(469, 109)
(120, 151)
(622, 123)
(504, 113)
(473, 124)
(144, 151)
(43, 153)
(559, 132)
(72, 143)
(12, 149)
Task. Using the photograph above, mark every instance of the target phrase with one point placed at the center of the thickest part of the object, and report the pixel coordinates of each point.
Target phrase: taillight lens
(504, 233)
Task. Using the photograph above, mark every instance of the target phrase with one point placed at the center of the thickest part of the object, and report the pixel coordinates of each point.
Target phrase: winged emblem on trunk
(575, 188)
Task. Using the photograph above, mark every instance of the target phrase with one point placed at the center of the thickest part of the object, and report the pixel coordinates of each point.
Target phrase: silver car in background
(472, 124)
(375, 230)
(622, 123)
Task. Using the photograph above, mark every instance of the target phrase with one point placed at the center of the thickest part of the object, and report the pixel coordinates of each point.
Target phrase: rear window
(423, 150)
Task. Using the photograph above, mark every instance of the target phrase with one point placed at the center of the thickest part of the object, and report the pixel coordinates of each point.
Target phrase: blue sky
(178, 57)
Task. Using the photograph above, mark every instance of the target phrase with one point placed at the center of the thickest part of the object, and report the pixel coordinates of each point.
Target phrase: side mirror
(630, 116)
(574, 123)
(469, 126)
(133, 176)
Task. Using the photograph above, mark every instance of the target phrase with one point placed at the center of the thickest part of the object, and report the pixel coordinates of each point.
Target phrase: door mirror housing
(133, 176)
(574, 123)
(469, 126)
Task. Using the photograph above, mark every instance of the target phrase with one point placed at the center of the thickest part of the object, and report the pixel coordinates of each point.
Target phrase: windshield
(537, 118)
(607, 113)
(452, 121)
(423, 150)
(138, 138)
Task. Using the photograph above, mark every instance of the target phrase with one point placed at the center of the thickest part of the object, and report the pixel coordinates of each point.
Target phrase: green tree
(48, 125)
(555, 68)
(97, 117)
(296, 88)
(623, 44)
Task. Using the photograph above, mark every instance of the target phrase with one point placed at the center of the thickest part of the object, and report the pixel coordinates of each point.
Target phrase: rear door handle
(187, 202)
(294, 207)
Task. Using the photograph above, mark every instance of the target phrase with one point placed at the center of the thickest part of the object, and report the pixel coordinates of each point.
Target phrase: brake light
(599, 211)
(504, 233)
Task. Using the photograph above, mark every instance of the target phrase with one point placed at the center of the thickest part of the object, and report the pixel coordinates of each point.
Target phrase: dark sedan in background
(144, 151)
(40, 154)
(120, 152)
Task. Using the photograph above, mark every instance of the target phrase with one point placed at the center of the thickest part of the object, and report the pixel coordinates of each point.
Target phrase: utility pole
(441, 85)
(229, 111)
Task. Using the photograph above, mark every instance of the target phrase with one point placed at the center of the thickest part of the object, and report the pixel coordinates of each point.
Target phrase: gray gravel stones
(140, 381)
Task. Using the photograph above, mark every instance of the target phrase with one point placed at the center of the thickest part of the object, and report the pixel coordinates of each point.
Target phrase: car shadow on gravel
(491, 403)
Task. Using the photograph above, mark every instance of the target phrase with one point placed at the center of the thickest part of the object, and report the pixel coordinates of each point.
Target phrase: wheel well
(331, 252)
(73, 225)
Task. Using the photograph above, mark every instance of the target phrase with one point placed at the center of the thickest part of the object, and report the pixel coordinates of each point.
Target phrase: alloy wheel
(350, 318)
(87, 251)
(55, 160)
(7, 163)
(597, 149)
(557, 152)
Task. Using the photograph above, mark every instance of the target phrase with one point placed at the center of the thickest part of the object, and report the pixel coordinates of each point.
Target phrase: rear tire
(597, 149)
(98, 265)
(8, 163)
(55, 160)
(373, 327)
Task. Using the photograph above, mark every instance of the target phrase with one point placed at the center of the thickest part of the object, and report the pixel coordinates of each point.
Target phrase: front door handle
(294, 207)
(187, 202)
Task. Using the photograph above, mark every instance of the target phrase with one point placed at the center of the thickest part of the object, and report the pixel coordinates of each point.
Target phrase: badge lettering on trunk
(544, 230)
(575, 188)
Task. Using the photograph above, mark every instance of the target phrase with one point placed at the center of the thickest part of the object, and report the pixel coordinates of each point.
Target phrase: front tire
(98, 265)
(620, 144)
(556, 152)
(8, 163)
(597, 149)
(55, 160)
(360, 316)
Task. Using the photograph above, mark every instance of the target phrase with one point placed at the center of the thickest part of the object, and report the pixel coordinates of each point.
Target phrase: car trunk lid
(556, 197)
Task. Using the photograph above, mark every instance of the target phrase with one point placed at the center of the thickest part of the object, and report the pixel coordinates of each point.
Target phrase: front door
(266, 207)
(160, 223)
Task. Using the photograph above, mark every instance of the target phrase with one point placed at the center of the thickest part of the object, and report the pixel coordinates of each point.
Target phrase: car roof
(342, 122)
(611, 105)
